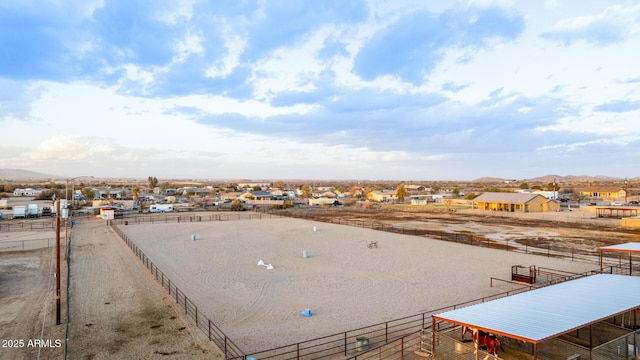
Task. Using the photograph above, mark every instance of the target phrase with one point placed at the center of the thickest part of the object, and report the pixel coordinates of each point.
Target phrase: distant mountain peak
(24, 175)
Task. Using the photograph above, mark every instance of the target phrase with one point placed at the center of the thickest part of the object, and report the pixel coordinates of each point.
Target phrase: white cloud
(191, 44)
(290, 68)
(615, 15)
(235, 45)
(64, 148)
(612, 125)
(129, 119)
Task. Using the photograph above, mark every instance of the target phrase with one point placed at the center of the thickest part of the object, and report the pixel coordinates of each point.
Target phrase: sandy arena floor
(118, 310)
(344, 283)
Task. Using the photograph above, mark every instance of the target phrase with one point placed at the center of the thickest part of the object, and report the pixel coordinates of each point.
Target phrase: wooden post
(58, 262)
(601, 261)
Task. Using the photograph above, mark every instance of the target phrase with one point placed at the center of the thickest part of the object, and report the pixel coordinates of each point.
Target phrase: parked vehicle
(160, 208)
(33, 211)
(19, 212)
(46, 211)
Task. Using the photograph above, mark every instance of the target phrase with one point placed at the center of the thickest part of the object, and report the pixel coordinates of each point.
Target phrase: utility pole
(58, 262)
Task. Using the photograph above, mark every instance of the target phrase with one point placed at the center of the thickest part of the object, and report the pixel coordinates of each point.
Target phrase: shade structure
(551, 311)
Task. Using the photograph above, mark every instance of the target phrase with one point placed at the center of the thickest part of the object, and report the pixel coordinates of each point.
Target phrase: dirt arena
(118, 310)
(344, 283)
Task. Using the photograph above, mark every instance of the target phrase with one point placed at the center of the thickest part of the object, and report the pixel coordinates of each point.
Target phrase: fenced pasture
(345, 284)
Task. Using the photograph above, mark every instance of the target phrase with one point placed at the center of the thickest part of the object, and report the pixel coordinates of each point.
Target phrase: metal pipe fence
(31, 244)
(230, 350)
(556, 250)
(190, 218)
(8, 226)
(387, 340)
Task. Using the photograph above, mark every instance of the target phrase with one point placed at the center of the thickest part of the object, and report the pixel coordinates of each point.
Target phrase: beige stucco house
(382, 196)
(606, 193)
(514, 202)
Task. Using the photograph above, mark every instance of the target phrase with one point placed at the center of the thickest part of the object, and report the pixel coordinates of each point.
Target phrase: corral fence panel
(189, 218)
(624, 347)
(230, 350)
(389, 340)
(31, 244)
(612, 261)
(34, 225)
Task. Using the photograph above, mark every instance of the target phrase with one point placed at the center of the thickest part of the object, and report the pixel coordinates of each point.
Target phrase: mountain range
(27, 176)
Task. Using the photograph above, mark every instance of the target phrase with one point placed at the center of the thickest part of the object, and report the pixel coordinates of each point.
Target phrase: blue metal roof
(547, 312)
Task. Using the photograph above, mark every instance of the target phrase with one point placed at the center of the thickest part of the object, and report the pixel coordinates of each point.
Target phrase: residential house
(256, 195)
(514, 202)
(230, 196)
(102, 193)
(416, 189)
(27, 192)
(324, 194)
(383, 195)
(605, 193)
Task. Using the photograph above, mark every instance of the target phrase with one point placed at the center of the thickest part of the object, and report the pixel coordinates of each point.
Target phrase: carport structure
(555, 311)
(630, 248)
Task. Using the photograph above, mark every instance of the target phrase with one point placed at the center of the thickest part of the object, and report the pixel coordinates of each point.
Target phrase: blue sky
(363, 90)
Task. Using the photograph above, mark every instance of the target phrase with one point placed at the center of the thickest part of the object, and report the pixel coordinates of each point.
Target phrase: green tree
(401, 192)
(164, 186)
(88, 193)
(152, 182)
(306, 191)
(136, 191)
(524, 186)
(552, 186)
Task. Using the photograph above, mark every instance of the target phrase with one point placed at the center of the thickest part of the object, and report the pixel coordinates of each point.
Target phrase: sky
(335, 89)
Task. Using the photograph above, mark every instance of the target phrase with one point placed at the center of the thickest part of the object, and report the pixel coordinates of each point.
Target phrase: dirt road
(27, 306)
(118, 310)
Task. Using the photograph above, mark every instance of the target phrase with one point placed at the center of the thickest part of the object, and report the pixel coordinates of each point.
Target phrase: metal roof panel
(547, 312)
(630, 247)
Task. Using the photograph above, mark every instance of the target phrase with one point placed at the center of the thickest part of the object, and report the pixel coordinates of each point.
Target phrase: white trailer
(160, 208)
(19, 212)
(33, 211)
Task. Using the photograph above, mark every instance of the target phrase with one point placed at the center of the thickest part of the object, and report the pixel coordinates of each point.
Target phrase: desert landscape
(118, 309)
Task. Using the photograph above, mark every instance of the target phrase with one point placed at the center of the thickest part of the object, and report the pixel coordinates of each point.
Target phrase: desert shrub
(280, 207)
(366, 204)
(349, 202)
(236, 205)
(48, 194)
